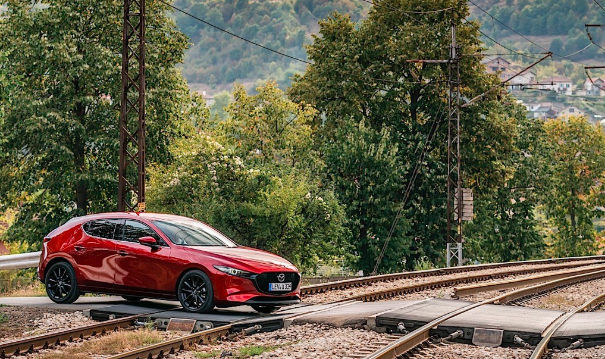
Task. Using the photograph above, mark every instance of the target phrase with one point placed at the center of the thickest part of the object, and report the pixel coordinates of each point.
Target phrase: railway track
(54, 339)
(30, 344)
(359, 282)
(541, 351)
(449, 282)
(417, 339)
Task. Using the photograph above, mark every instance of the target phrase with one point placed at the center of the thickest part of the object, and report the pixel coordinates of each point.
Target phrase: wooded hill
(216, 58)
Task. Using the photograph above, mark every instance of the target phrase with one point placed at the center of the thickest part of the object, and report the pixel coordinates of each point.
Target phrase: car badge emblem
(281, 277)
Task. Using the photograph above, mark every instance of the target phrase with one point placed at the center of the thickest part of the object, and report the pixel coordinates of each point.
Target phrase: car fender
(58, 256)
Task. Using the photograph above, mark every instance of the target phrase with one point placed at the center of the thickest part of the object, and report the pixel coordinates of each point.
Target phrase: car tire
(61, 284)
(131, 298)
(195, 292)
(265, 308)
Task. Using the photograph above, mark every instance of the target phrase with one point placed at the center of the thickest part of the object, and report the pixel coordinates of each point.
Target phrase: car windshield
(193, 233)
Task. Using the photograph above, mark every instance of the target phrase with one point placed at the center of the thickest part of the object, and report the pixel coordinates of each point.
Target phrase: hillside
(216, 60)
(557, 25)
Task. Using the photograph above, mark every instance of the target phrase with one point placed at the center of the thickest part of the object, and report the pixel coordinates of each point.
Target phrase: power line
(234, 35)
(506, 47)
(601, 6)
(505, 25)
(528, 39)
(590, 35)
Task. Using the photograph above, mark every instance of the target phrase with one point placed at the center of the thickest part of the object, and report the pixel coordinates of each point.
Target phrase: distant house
(545, 110)
(208, 98)
(495, 64)
(507, 70)
(594, 89)
(559, 84)
(522, 80)
(571, 111)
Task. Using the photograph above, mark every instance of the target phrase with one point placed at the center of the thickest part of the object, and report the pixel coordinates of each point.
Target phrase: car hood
(251, 259)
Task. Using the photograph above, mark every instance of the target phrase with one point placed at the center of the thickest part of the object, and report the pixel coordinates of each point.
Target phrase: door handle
(123, 253)
(79, 248)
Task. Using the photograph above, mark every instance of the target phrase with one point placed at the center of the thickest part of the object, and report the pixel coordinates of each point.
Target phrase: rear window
(102, 228)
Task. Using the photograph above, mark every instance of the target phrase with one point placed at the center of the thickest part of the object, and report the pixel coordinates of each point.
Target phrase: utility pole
(454, 177)
(131, 180)
(456, 211)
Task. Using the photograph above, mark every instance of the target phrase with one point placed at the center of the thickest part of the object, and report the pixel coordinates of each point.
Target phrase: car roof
(134, 215)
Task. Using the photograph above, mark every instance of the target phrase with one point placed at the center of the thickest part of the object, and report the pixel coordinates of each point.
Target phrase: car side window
(102, 228)
(133, 230)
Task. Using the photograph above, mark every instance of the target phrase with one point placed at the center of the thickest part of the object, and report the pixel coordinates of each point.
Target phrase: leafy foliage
(255, 178)
(60, 144)
(361, 79)
(577, 184)
(505, 227)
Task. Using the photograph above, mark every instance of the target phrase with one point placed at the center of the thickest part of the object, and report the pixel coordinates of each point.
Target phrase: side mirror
(148, 241)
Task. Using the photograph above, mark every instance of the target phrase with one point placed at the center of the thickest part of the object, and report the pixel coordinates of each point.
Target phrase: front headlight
(234, 271)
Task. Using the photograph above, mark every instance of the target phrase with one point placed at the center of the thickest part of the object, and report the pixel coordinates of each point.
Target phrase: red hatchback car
(162, 256)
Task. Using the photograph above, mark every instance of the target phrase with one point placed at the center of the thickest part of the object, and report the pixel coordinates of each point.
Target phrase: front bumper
(231, 291)
(273, 301)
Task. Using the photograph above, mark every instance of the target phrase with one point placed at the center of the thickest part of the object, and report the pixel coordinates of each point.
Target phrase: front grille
(262, 281)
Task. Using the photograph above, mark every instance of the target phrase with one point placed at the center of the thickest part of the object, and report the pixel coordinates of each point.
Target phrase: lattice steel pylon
(454, 177)
(131, 180)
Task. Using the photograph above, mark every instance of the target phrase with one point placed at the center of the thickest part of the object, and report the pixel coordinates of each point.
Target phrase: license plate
(280, 286)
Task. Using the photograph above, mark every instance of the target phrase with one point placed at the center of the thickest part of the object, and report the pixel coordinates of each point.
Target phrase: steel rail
(173, 346)
(358, 282)
(415, 338)
(544, 287)
(513, 283)
(440, 283)
(43, 341)
(542, 347)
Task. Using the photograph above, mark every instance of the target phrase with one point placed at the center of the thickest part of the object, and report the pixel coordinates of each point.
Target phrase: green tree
(219, 107)
(578, 168)
(360, 74)
(557, 46)
(61, 125)
(257, 179)
(505, 227)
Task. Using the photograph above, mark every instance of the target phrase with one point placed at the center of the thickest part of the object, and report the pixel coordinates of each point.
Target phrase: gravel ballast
(19, 322)
(296, 341)
(568, 298)
(463, 351)
(589, 353)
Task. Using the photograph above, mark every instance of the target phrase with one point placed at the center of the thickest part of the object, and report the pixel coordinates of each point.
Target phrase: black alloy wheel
(265, 308)
(195, 292)
(61, 284)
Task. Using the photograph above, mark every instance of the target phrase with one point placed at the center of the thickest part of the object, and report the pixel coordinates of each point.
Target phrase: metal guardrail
(19, 261)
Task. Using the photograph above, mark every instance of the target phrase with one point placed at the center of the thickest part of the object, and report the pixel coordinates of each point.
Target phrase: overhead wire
(591, 38)
(234, 35)
(526, 38)
(601, 6)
